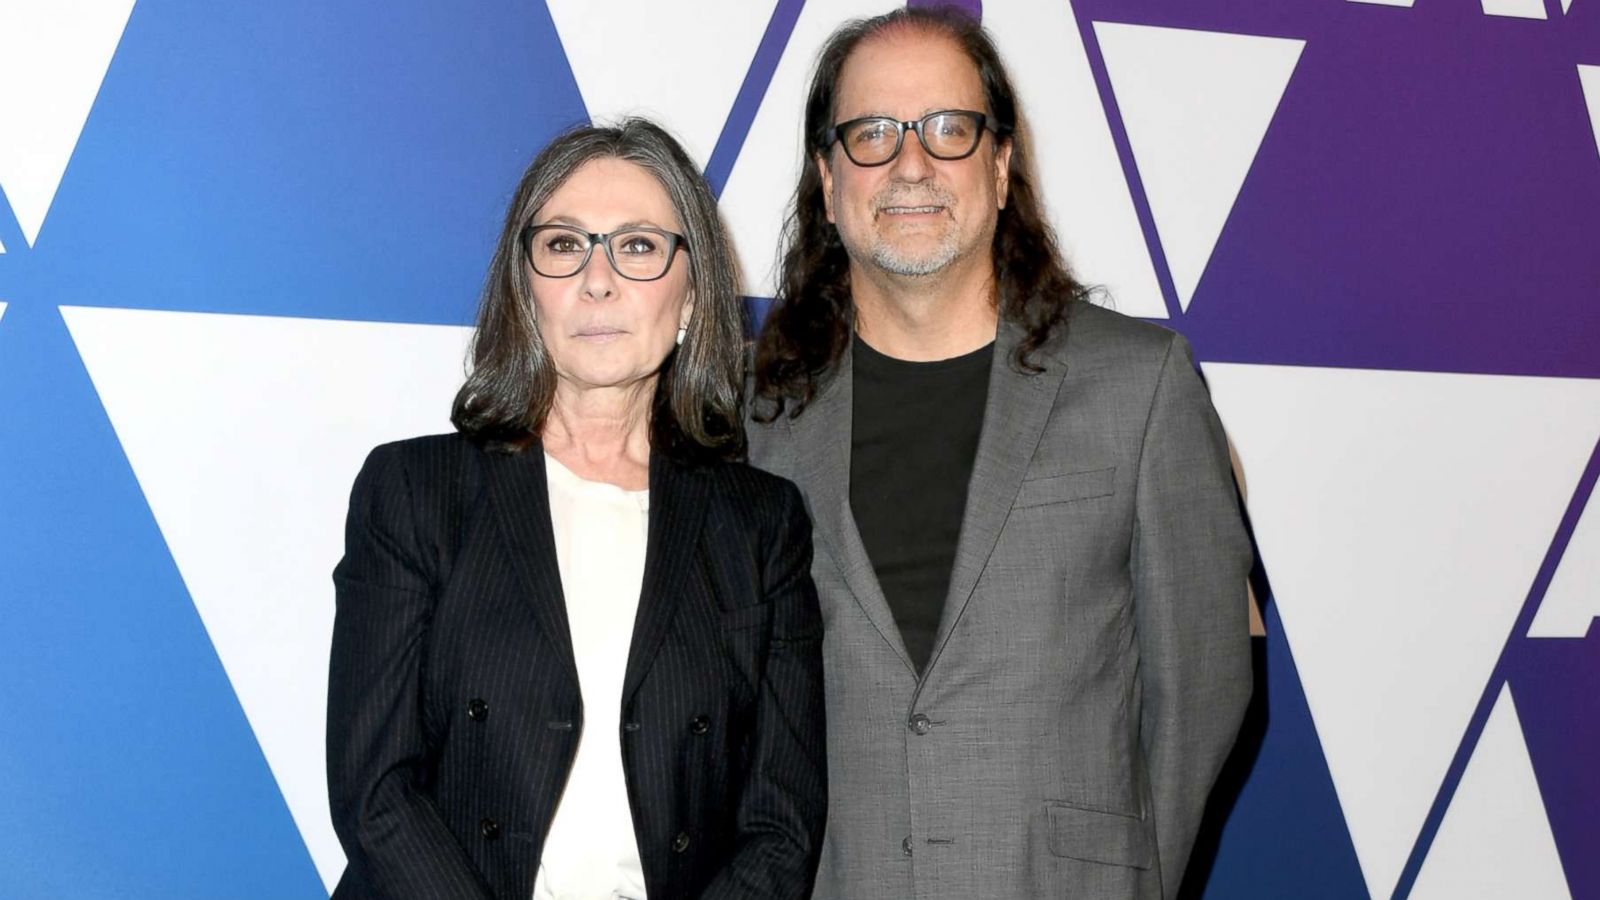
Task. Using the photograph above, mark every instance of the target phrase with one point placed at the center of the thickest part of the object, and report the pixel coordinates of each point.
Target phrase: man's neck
(926, 318)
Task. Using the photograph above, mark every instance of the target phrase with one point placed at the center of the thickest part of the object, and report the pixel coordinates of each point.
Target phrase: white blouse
(600, 531)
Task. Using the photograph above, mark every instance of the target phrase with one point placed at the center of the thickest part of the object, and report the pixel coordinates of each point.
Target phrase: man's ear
(1002, 173)
(827, 184)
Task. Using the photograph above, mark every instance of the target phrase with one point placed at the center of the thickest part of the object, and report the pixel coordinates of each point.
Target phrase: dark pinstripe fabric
(453, 703)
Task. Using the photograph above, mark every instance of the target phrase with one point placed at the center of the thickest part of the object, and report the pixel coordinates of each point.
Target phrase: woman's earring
(681, 333)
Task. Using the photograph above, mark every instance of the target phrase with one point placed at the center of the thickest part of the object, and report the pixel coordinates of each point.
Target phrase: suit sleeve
(783, 806)
(397, 844)
(1190, 561)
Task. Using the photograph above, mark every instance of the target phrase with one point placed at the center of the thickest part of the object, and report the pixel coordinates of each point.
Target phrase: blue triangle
(128, 768)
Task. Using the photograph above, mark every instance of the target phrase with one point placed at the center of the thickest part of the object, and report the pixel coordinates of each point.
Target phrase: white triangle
(2, 310)
(1566, 6)
(53, 57)
(1572, 599)
(1589, 77)
(1402, 517)
(1196, 105)
(757, 195)
(645, 57)
(245, 433)
(1519, 9)
(1075, 159)
(1406, 3)
(1495, 840)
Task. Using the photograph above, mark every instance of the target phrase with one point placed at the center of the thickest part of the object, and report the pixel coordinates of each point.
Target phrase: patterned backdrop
(241, 241)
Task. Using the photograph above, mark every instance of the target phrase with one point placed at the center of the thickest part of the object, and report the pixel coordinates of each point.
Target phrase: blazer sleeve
(397, 844)
(783, 805)
(1190, 562)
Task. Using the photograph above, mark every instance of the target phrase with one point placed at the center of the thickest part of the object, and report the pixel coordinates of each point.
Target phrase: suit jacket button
(699, 724)
(920, 723)
(681, 842)
(905, 845)
(490, 829)
(477, 710)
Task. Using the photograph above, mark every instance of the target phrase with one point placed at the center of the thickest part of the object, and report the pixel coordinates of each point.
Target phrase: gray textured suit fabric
(1093, 662)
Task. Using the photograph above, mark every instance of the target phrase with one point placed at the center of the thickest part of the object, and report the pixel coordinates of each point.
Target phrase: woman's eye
(639, 243)
(563, 244)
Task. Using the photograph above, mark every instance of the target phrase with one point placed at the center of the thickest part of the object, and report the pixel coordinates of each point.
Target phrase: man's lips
(927, 210)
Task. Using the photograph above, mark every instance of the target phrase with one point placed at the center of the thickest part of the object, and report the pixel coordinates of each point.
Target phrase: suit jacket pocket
(1101, 837)
(1071, 486)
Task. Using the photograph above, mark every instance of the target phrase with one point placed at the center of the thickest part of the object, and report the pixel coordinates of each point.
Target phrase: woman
(509, 714)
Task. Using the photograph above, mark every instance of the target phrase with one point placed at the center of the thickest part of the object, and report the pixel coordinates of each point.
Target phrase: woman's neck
(602, 434)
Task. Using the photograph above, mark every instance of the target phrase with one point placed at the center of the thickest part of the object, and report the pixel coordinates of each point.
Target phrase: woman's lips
(599, 333)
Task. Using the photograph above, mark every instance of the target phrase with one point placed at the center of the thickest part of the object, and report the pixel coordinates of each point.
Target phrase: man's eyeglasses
(875, 140)
(637, 254)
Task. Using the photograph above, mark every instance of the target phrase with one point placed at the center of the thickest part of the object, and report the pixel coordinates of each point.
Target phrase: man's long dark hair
(809, 325)
(695, 412)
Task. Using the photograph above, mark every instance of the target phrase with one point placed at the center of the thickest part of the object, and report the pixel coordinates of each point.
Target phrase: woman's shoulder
(427, 447)
(435, 464)
(752, 493)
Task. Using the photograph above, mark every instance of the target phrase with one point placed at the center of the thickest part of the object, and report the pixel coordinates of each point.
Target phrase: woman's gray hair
(696, 409)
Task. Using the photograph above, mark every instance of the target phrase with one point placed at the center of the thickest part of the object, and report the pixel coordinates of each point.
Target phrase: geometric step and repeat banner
(241, 244)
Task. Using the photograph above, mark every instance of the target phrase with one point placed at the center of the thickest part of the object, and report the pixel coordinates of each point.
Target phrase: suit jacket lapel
(1014, 417)
(822, 467)
(678, 498)
(520, 495)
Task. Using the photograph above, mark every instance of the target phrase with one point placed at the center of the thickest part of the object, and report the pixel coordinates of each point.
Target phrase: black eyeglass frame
(675, 242)
(836, 134)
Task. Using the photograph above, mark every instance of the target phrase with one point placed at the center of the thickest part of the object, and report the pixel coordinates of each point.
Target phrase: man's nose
(913, 162)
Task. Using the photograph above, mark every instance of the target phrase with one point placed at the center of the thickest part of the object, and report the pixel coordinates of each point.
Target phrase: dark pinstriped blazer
(453, 704)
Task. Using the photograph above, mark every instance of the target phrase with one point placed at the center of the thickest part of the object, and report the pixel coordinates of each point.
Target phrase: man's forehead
(907, 73)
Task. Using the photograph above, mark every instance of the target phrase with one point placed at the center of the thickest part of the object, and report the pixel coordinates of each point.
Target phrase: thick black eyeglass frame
(675, 241)
(836, 134)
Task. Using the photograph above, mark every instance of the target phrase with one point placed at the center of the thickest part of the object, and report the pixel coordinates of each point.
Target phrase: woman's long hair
(695, 410)
(809, 324)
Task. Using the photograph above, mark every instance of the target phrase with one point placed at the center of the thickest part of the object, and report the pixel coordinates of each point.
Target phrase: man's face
(914, 215)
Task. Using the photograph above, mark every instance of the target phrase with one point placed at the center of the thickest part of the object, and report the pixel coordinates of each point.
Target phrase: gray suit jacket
(1093, 662)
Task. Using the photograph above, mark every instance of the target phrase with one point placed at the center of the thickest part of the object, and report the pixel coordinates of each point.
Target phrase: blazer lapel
(1014, 417)
(520, 496)
(678, 498)
(822, 467)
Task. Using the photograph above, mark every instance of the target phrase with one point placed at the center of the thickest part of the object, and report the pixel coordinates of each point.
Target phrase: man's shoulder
(1097, 328)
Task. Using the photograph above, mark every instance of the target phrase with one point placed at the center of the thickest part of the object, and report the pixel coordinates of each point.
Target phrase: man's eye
(953, 126)
(873, 133)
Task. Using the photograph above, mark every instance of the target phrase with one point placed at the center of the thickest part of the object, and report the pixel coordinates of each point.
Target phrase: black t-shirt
(914, 436)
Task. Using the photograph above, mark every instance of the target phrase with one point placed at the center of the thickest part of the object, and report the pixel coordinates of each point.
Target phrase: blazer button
(490, 829)
(477, 710)
(920, 723)
(681, 842)
(699, 724)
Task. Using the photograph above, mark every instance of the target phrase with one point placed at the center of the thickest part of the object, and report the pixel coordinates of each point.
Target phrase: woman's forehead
(605, 193)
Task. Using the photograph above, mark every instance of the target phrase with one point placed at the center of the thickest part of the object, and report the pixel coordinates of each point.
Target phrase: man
(1032, 567)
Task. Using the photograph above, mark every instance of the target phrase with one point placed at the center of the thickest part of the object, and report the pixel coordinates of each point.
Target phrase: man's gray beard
(888, 258)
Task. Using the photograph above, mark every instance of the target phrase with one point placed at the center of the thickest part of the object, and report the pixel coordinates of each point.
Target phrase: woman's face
(603, 330)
